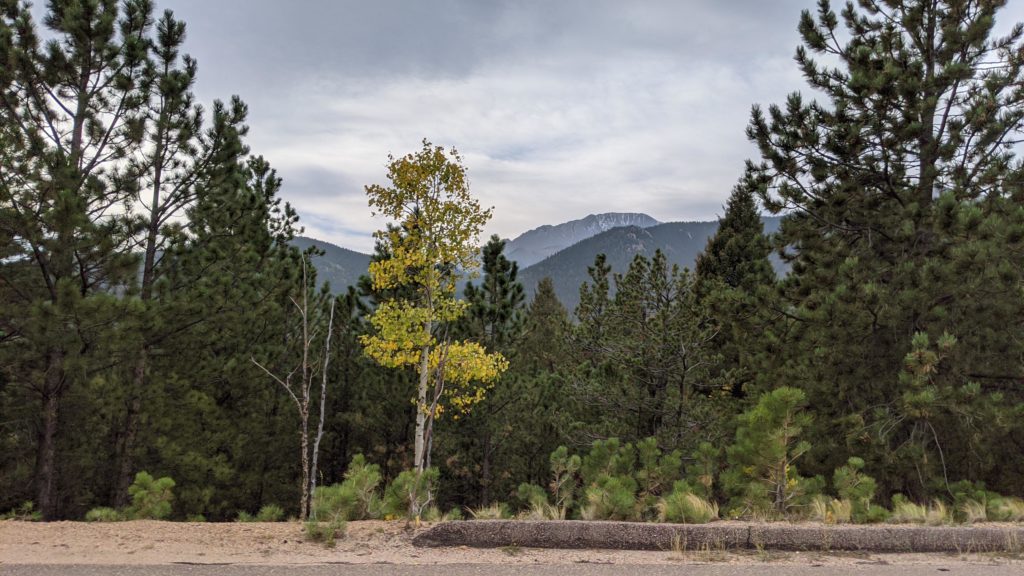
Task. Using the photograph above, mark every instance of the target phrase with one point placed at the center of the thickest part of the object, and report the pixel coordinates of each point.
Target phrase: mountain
(680, 241)
(339, 266)
(535, 245)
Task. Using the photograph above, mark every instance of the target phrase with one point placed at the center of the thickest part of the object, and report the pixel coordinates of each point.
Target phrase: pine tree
(168, 168)
(737, 254)
(477, 442)
(493, 315)
(645, 354)
(734, 280)
(71, 116)
(898, 189)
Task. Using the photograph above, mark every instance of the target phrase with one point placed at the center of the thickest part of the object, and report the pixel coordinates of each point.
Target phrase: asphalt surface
(953, 568)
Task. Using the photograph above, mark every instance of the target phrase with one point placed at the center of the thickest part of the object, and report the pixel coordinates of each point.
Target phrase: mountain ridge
(680, 241)
(535, 245)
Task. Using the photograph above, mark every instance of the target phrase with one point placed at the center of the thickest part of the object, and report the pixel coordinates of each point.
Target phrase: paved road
(954, 568)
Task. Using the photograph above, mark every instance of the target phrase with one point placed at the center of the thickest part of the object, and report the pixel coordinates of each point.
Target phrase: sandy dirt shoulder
(367, 542)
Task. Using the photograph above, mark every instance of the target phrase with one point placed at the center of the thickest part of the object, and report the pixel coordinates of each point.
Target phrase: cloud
(560, 109)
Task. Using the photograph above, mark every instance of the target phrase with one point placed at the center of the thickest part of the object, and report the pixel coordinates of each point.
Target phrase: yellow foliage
(439, 224)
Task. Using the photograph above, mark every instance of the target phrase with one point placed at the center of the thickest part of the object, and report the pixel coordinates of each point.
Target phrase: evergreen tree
(493, 315)
(645, 354)
(478, 440)
(737, 254)
(735, 281)
(901, 194)
(71, 117)
(167, 168)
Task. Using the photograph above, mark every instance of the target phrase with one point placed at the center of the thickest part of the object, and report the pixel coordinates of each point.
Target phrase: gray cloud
(560, 108)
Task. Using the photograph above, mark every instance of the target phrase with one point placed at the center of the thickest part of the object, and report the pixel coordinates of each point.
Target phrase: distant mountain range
(339, 266)
(563, 251)
(681, 242)
(535, 245)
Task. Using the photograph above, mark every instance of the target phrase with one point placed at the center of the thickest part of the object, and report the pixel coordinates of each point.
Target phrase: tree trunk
(46, 459)
(304, 505)
(126, 465)
(485, 471)
(421, 405)
(125, 468)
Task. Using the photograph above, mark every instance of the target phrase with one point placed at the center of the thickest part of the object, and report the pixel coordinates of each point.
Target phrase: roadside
(152, 543)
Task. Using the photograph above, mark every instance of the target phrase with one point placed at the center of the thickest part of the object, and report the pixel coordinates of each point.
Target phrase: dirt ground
(369, 542)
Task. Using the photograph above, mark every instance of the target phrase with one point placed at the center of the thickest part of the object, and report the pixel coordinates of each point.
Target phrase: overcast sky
(560, 109)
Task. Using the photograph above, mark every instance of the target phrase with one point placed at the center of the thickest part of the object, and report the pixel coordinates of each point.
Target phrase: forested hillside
(884, 369)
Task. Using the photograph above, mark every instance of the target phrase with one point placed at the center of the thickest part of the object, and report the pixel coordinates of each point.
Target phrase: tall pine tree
(898, 189)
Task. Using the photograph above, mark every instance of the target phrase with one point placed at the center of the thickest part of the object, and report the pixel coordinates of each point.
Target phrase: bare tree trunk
(323, 403)
(419, 456)
(304, 505)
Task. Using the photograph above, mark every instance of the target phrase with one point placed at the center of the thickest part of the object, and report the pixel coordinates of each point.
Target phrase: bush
(701, 475)
(536, 504)
(856, 488)
(409, 493)
(25, 513)
(151, 498)
(104, 514)
(355, 498)
(270, 513)
(563, 480)
(684, 507)
(326, 533)
(767, 442)
(1007, 510)
(610, 498)
(244, 516)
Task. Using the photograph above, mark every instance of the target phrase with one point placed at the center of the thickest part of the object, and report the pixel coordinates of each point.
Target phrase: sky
(559, 109)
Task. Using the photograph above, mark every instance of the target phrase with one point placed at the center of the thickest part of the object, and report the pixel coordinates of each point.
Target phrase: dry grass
(1011, 510)
(687, 508)
(973, 511)
(496, 511)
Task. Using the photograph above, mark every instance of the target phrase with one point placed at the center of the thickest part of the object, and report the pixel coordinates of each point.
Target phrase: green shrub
(856, 488)
(682, 506)
(610, 498)
(151, 498)
(563, 480)
(355, 498)
(196, 518)
(24, 513)
(762, 479)
(270, 513)
(536, 504)
(326, 533)
(877, 514)
(409, 493)
(104, 514)
(244, 516)
(702, 474)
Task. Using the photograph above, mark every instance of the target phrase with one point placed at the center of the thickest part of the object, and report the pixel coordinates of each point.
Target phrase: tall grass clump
(682, 506)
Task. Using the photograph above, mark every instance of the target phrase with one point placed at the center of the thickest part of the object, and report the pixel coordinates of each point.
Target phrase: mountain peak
(535, 245)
